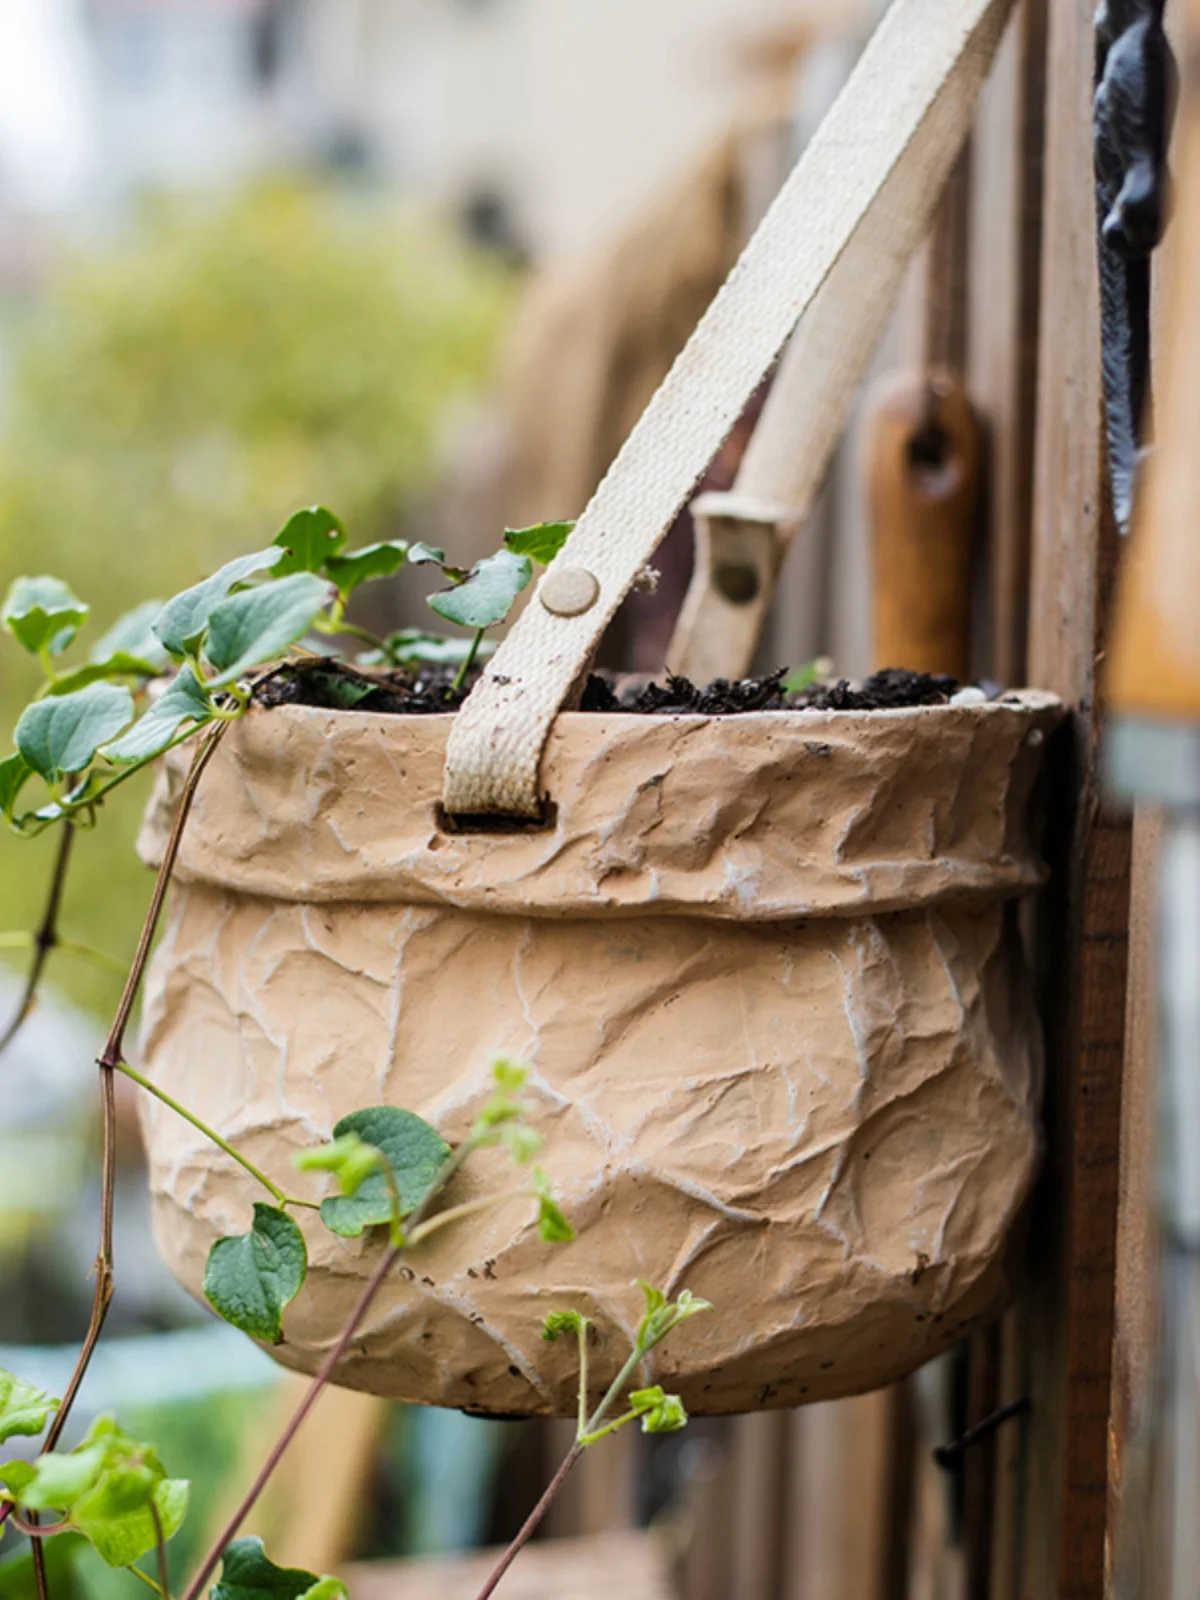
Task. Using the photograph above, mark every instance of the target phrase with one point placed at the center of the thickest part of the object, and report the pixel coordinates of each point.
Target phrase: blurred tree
(179, 394)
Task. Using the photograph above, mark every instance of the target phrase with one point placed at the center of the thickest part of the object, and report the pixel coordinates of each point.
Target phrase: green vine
(165, 675)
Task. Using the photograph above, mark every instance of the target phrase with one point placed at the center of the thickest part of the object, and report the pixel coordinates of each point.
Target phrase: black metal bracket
(1136, 84)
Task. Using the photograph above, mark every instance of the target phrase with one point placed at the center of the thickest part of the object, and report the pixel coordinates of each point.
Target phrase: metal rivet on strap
(569, 592)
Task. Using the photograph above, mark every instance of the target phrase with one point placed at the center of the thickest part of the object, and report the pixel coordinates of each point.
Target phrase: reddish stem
(44, 940)
(229, 1531)
(531, 1522)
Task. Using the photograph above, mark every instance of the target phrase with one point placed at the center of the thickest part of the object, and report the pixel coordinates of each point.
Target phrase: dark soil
(330, 685)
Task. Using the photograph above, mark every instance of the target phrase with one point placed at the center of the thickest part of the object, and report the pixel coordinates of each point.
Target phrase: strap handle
(884, 142)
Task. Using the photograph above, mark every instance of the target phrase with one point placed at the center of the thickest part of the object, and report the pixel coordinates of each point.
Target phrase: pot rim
(763, 816)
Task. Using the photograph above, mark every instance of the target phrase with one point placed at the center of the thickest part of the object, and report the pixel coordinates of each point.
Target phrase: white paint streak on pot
(764, 970)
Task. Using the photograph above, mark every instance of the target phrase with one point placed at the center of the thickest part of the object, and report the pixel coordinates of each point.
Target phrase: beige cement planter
(765, 974)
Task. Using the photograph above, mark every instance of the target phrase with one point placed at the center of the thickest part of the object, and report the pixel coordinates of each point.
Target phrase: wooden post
(1068, 1307)
(1003, 316)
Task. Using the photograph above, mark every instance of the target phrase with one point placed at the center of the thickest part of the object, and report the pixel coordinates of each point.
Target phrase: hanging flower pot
(763, 967)
(764, 972)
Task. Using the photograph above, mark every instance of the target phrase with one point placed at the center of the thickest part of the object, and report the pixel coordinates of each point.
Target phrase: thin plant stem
(38, 1553)
(107, 1061)
(26, 939)
(588, 1434)
(529, 1527)
(146, 1579)
(610, 1427)
(327, 1368)
(460, 677)
(582, 1331)
(364, 636)
(114, 1048)
(280, 1197)
(613, 1392)
(100, 958)
(33, 1530)
(44, 940)
(160, 1548)
(469, 1208)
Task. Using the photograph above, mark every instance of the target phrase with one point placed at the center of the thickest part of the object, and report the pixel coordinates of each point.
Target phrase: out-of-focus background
(423, 261)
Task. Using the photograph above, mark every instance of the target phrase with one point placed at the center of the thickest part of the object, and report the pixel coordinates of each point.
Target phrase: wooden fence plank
(1083, 947)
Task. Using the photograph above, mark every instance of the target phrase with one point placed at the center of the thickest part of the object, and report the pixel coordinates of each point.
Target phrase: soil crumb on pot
(331, 685)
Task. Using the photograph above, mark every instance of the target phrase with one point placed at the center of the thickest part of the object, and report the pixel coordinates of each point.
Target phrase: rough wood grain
(1135, 1309)
(1002, 354)
(1069, 1307)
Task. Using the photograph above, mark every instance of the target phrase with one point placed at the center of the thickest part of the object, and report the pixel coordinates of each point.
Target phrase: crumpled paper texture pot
(764, 970)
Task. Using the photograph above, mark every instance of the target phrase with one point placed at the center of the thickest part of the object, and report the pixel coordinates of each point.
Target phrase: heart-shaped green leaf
(248, 1574)
(486, 595)
(308, 540)
(542, 542)
(181, 702)
(133, 635)
(416, 1154)
(118, 666)
(251, 1278)
(254, 627)
(61, 734)
(372, 562)
(43, 614)
(15, 772)
(23, 1408)
(180, 624)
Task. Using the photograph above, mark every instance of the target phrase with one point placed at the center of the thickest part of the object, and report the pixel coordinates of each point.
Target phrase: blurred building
(542, 122)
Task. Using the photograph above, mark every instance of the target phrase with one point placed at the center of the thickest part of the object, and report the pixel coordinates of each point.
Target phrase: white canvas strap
(887, 142)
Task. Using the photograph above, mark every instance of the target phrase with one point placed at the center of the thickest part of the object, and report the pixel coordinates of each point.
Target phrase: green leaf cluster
(244, 616)
(111, 1489)
(560, 1322)
(483, 596)
(660, 1412)
(662, 1315)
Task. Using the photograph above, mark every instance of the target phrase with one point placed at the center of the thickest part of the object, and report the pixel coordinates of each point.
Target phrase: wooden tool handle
(924, 458)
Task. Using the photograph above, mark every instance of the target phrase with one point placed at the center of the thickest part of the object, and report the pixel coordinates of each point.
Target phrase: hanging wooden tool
(924, 457)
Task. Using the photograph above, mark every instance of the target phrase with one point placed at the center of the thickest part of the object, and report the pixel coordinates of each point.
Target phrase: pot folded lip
(763, 816)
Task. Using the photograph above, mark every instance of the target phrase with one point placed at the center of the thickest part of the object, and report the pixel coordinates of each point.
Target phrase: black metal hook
(1136, 82)
(949, 1456)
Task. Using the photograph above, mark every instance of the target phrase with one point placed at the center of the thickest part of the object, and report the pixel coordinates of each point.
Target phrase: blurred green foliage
(178, 396)
(205, 1438)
